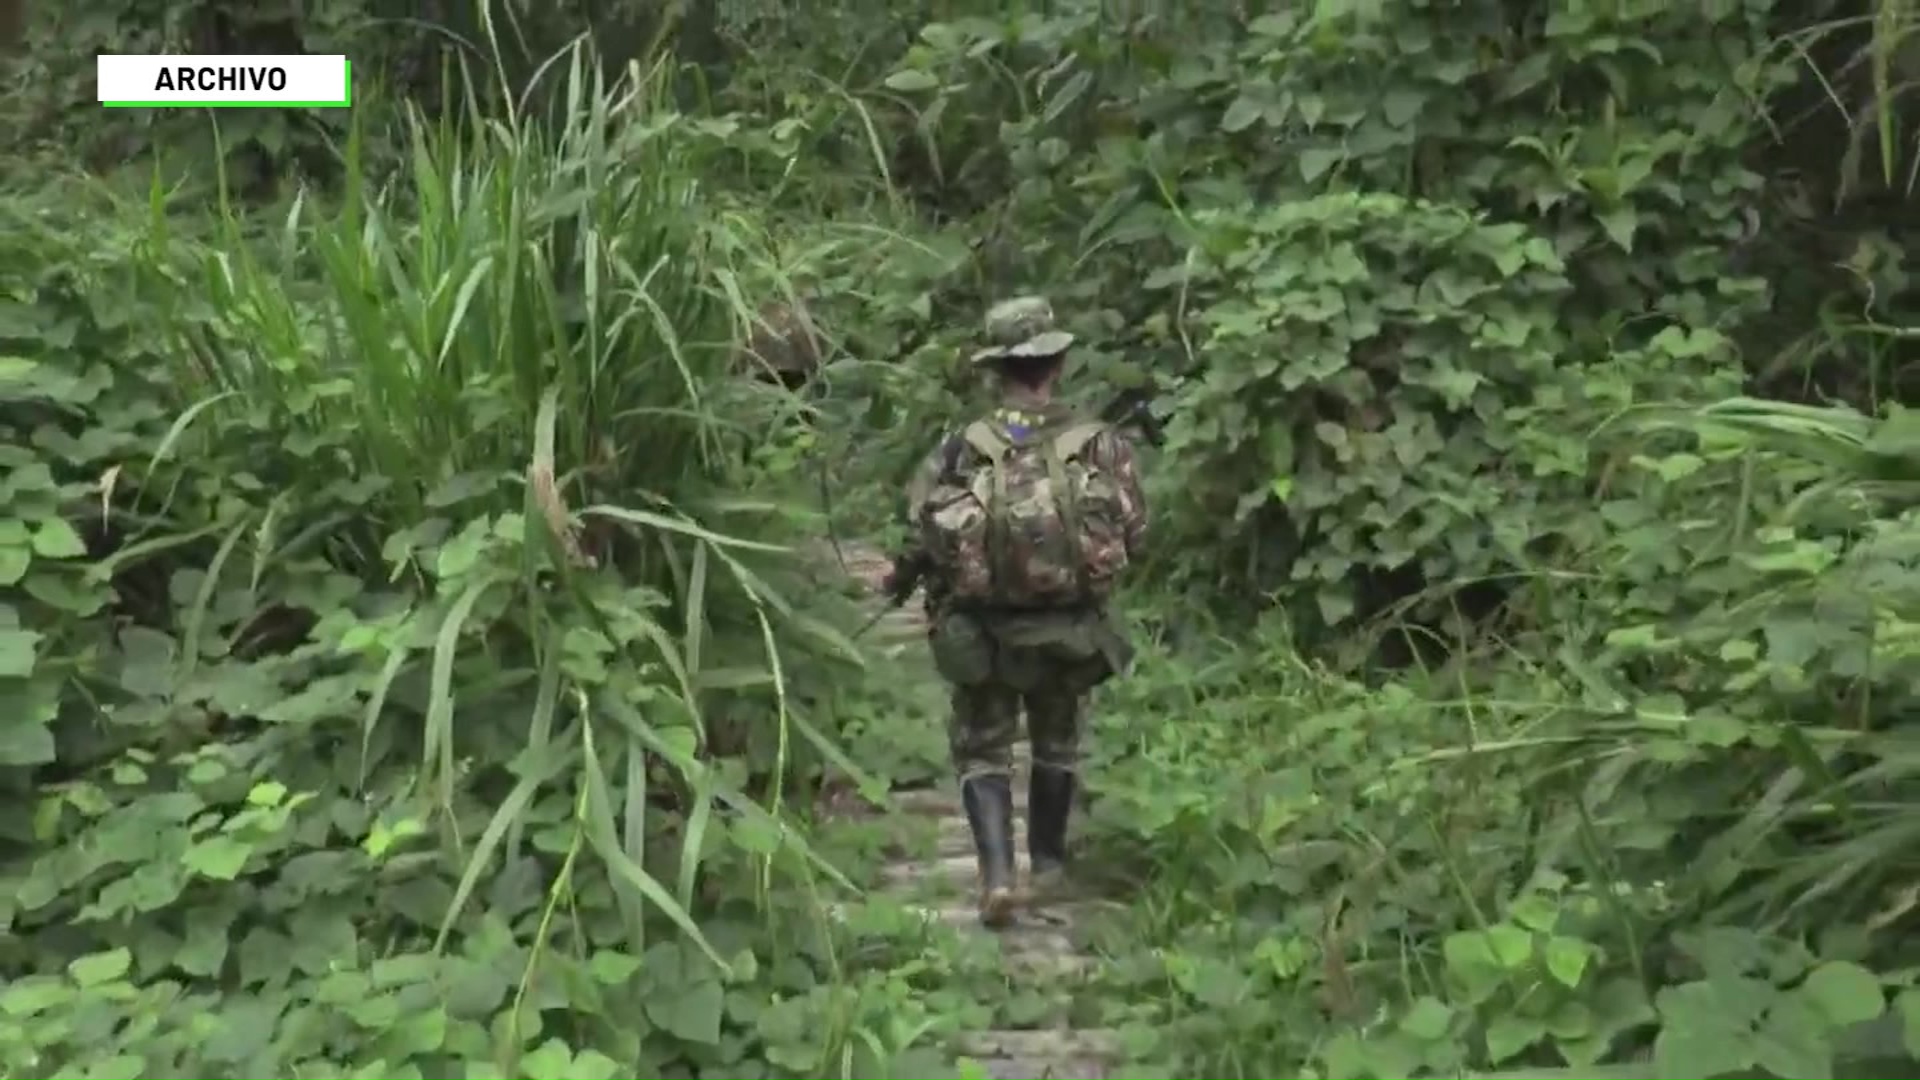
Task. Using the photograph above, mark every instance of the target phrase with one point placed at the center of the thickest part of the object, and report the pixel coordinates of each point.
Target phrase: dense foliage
(415, 661)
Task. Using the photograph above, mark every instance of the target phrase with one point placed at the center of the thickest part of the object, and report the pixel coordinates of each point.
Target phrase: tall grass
(498, 389)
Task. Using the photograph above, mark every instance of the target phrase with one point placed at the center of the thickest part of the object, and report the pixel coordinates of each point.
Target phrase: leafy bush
(366, 666)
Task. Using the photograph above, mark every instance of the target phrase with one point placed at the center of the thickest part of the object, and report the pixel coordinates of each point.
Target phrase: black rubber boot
(1050, 791)
(989, 803)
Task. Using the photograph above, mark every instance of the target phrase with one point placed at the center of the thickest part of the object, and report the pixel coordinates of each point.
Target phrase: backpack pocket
(962, 651)
(1102, 540)
(954, 528)
(1075, 651)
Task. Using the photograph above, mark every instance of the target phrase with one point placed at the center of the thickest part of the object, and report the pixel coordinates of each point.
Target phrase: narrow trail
(1042, 948)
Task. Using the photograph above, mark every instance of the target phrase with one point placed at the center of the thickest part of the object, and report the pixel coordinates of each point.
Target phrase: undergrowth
(423, 651)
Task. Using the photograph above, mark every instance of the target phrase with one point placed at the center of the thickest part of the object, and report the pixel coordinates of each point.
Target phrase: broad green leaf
(1619, 224)
(204, 952)
(1572, 1020)
(1846, 992)
(14, 561)
(1794, 1042)
(25, 741)
(117, 1067)
(1317, 161)
(55, 539)
(552, 1061)
(593, 1065)
(1241, 114)
(267, 793)
(1567, 959)
(1535, 911)
(96, 968)
(757, 836)
(612, 967)
(1401, 106)
(33, 995)
(1701, 1052)
(1427, 1019)
(1469, 952)
(420, 1032)
(217, 857)
(1509, 1034)
(17, 648)
(1512, 946)
(689, 1012)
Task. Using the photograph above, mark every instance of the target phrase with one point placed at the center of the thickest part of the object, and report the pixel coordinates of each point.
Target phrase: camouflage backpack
(1028, 522)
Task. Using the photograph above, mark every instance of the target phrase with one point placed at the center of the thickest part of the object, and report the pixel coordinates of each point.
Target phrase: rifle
(1133, 407)
(907, 578)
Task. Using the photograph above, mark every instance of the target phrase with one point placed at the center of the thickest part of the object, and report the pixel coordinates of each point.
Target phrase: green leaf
(1468, 952)
(1535, 911)
(1620, 224)
(33, 995)
(204, 951)
(1793, 1042)
(612, 968)
(1336, 603)
(218, 857)
(417, 1033)
(1241, 114)
(552, 1061)
(55, 539)
(1572, 1020)
(1509, 1034)
(96, 968)
(1566, 959)
(14, 560)
(25, 741)
(1315, 163)
(17, 648)
(1846, 992)
(268, 793)
(911, 81)
(755, 836)
(117, 1067)
(1218, 984)
(1512, 946)
(593, 1065)
(1401, 106)
(689, 1012)
(1427, 1019)
(1700, 1051)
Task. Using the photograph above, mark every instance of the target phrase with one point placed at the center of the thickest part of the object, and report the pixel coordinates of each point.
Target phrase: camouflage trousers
(985, 723)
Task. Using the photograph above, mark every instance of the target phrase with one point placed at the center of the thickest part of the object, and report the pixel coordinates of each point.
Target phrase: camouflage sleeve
(1117, 458)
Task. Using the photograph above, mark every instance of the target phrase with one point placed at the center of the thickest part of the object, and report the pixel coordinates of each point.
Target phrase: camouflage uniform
(999, 661)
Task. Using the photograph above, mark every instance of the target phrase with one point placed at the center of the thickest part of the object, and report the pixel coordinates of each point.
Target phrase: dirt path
(939, 883)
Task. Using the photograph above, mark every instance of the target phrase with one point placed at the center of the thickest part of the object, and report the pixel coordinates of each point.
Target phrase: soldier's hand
(899, 583)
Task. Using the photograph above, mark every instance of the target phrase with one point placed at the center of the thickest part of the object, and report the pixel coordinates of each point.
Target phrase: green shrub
(395, 622)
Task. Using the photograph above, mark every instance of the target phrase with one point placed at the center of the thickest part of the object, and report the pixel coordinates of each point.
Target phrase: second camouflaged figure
(1022, 521)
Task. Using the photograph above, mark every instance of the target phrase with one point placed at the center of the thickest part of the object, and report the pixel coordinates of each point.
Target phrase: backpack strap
(1058, 451)
(991, 445)
(1073, 442)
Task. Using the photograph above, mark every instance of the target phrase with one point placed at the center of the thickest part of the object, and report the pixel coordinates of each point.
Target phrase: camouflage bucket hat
(1022, 327)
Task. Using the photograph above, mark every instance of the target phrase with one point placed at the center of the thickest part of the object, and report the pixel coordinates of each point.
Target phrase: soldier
(1021, 522)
